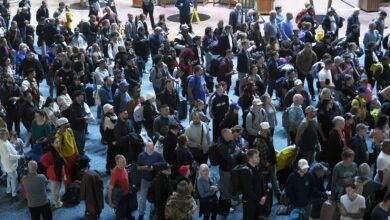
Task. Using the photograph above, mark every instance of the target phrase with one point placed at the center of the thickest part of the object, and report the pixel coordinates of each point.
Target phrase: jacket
(195, 136)
(359, 146)
(305, 61)
(226, 151)
(159, 191)
(300, 189)
(158, 77)
(243, 61)
(91, 190)
(180, 207)
(252, 184)
(266, 150)
(233, 19)
(9, 156)
(77, 114)
(295, 117)
(334, 148)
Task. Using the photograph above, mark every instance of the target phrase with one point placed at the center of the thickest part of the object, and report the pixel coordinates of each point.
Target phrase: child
(17, 142)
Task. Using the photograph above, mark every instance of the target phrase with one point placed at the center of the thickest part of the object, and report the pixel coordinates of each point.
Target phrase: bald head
(32, 166)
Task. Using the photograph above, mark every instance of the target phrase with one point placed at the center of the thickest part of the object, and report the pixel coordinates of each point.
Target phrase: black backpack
(214, 156)
(214, 65)
(236, 177)
(72, 195)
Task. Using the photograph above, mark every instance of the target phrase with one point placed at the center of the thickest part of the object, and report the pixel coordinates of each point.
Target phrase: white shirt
(199, 55)
(100, 74)
(353, 206)
(324, 75)
(333, 25)
(382, 164)
(230, 41)
(9, 156)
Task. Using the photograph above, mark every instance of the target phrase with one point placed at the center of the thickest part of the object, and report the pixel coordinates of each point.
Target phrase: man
(359, 144)
(35, 186)
(305, 59)
(159, 74)
(382, 163)
(343, 171)
(42, 11)
(184, 7)
(226, 150)
(130, 28)
(9, 163)
(252, 186)
(325, 75)
(198, 51)
(264, 144)
(79, 40)
(307, 135)
(382, 210)
(226, 40)
(79, 120)
(132, 73)
(332, 23)
(372, 35)
(170, 97)
(271, 27)
(120, 177)
(161, 123)
(235, 17)
(21, 19)
(295, 116)
(300, 187)
(10, 95)
(353, 35)
(253, 119)
(121, 97)
(286, 27)
(226, 70)
(244, 60)
(353, 20)
(160, 189)
(352, 205)
(183, 39)
(198, 134)
(273, 72)
(219, 106)
(197, 86)
(155, 41)
(145, 163)
(105, 92)
(31, 63)
(58, 12)
(380, 23)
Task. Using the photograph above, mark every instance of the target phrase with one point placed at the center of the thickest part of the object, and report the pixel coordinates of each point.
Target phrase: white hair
(336, 120)
(202, 167)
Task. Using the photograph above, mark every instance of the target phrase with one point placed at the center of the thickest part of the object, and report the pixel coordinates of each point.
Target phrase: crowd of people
(336, 163)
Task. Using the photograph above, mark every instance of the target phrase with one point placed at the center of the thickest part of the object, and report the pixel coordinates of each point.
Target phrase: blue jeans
(79, 137)
(144, 191)
(12, 182)
(23, 34)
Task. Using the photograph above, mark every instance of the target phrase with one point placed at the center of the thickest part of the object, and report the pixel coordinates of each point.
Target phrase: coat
(91, 190)
(180, 207)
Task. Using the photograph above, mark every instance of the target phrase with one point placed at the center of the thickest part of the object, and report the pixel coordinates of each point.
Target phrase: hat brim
(304, 167)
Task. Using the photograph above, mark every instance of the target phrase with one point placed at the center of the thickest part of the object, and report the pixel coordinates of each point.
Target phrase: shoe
(141, 217)
(313, 99)
(58, 205)
(14, 199)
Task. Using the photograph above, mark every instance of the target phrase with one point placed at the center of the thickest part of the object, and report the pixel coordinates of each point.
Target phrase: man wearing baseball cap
(359, 144)
(298, 89)
(300, 186)
(121, 97)
(307, 135)
(254, 118)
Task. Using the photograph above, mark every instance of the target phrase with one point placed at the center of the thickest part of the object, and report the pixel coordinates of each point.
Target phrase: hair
(237, 129)
(382, 121)
(337, 120)
(196, 38)
(197, 68)
(229, 51)
(252, 152)
(347, 153)
(225, 130)
(173, 125)
(163, 106)
(13, 134)
(296, 97)
(182, 140)
(202, 167)
(328, 61)
(48, 101)
(182, 188)
(208, 30)
(364, 170)
(349, 184)
(40, 112)
(157, 58)
(194, 114)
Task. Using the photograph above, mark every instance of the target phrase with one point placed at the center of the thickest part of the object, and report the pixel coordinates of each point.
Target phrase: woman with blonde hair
(207, 193)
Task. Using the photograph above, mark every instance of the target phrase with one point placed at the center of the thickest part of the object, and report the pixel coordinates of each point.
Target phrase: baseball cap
(184, 169)
(310, 109)
(235, 106)
(107, 108)
(361, 126)
(256, 102)
(184, 26)
(264, 125)
(61, 121)
(362, 90)
(298, 82)
(123, 83)
(303, 164)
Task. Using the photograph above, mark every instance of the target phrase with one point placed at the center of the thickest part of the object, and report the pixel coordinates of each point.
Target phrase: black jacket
(223, 43)
(170, 99)
(326, 24)
(42, 12)
(243, 61)
(6, 94)
(359, 146)
(226, 151)
(252, 184)
(32, 64)
(159, 191)
(170, 142)
(196, 55)
(77, 114)
(334, 148)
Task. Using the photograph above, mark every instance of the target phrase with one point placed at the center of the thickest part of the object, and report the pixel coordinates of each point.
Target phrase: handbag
(133, 202)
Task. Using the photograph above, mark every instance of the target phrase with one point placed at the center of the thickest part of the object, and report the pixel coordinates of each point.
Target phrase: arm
(204, 188)
(301, 129)
(156, 127)
(191, 143)
(249, 125)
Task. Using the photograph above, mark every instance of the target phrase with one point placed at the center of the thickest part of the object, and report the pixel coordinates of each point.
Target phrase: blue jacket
(299, 189)
(155, 43)
(286, 29)
(105, 95)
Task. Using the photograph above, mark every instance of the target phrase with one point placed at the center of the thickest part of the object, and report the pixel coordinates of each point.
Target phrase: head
(227, 134)
(328, 64)
(303, 166)
(361, 129)
(272, 15)
(120, 161)
(348, 156)
(350, 190)
(198, 70)
(149, 147)
(28, 96)
(182, 188)
(78, 97)
(229, 54)
(182, 140)
(164, 110)
(4, 134)
(256, 105)
(364, 170)
(289, 16)
(265, 129)
(338, 122)
(32, 167)
(174, 127)
(123, 115)
(237, 131)
(253, 157)
(204, 171)
(108, 81)
(195, 117)
(382, 15)
(39, 115)
(307, 47)
(265, 99)
(371, 26)
(298, 99)
(386, 146)
(311, 112)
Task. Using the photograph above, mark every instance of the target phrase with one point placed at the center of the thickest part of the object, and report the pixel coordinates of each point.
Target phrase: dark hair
(157, 58)
(173, 125)
(182, 140)
(228, 51)
(252, 67)
(252, 152)
(196, 38)
(164, 106)
(328, 61)
(347, 153)
(208, 30)
(382, 121)
(40, 112)
(350, 184)
(383, 13)
(197, 68)
(48, 101)
(61, 88)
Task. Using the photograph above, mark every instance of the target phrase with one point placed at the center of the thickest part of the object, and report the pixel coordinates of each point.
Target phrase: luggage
(134, 174)
(329, 211)
(183, 109)
(72, 195)
(89, 97)
(214, 65)
(267, 207)
(93, 207)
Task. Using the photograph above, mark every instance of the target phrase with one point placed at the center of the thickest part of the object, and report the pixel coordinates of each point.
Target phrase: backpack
(385, 41)
(214, 65)
(72, 195)
(236, 177)
(138, 114)
(215, 158)
(360, 185)
(285, 120)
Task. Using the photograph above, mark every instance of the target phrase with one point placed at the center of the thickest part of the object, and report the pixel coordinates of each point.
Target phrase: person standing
(145, 163)
(252, 186)
(235, 17)
(254, 118)
(271, 28)
(198, 138)
(359, 144)
(286, 27)
(196, 88)
(307, 135)
(226, 69)
(37, 200)
(10, 95)
(207, 193)
(184, 7)
(295, 116)
(305, 59)
(219, 106)
(353, 19)
(120, 177)
(352, 205)
(382, 210)
(42, 11)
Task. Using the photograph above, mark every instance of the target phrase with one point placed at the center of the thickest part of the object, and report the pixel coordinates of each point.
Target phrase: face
(165, 111)
(121, 162)
(228, 136)
(254, 70)
(304, 171)
(299, 88)
(349, 191)
(124, 115)
(79, 99)
(204, 173)
(196, 119)
(255, 159)
(362, 132)
(39, 117)
(219, 91)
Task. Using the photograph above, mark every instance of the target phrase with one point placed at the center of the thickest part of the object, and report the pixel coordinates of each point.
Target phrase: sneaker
(14, 199)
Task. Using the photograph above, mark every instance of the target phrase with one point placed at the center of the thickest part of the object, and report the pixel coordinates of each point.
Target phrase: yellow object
(283, 156)
(67, 143)
(69, 17)
(361, 104)
(375, 66)
(195, 14)
(319, 35)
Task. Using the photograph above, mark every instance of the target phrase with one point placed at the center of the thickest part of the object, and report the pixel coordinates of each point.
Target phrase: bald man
(37, 200)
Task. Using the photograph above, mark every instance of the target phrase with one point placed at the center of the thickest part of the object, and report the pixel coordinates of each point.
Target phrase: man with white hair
(372, 35)
(35, 186)
(295, 116)
(253, 119)
(235, 17)
(9, 162)
(271, 27)
(353, 19)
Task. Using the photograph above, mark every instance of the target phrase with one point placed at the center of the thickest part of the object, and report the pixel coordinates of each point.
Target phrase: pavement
(96, 151)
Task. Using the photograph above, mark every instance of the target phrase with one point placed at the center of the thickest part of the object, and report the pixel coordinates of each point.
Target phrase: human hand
(112, 205)
(263, 200)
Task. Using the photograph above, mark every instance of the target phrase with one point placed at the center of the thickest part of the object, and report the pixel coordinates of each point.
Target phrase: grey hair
(338, 59)
(202, 167)
(336, 120)
(296, 97)
(364, 170)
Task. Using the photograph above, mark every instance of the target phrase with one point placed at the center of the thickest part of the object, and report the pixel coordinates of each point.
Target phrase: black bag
(235, 177)
(72, 195)
(116, 195)
(133, 202)
(134, 174)
(223, 206)
(267, 207)
(214, 65)
(215, 158)
(183, 110)
(89, 99)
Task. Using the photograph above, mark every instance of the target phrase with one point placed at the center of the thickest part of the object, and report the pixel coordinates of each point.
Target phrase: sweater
(194, 134)
(35, 186)
(253, 125)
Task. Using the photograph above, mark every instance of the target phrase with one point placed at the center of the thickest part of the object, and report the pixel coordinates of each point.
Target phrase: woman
(207, 43)
(180, 205)
(40, 129)
(253, 77)
(207, 193)
(245, 100)
(273, 45)
(6, 69)
(51, 110)
(324, 117)
(182, 152)
(270, 109)
(55, 169)
(96, 54)
(150, 113)
(159, 74)
(63, 98)
(100, 73)
(336, 142)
